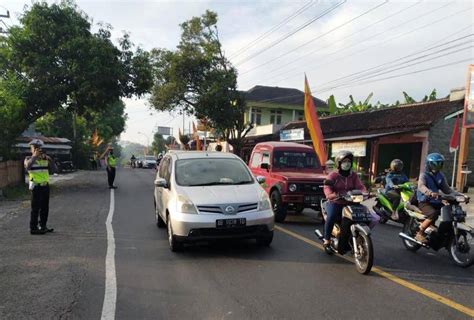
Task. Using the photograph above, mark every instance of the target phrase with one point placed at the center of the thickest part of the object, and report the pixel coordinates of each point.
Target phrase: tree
(159, 144)
(60, 63)
(198, 79)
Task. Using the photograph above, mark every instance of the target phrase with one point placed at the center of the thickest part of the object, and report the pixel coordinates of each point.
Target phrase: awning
(366, 136)
(46, 146)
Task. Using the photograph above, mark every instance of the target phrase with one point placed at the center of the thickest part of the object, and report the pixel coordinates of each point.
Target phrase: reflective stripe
(39, 173)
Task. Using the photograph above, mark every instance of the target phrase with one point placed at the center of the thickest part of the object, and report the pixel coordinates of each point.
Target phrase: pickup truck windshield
(295, 160)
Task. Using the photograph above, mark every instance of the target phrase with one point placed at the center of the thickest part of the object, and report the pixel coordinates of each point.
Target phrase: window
(275, 117)
(295, 160)
(256, 159)
(266, 158)
(256, 116)
(212, 171)
(300, 115)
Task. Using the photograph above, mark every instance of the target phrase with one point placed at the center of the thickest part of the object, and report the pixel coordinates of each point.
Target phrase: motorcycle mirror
(328, 182)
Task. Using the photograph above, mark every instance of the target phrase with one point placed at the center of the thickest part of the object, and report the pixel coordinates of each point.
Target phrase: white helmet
(36, 143)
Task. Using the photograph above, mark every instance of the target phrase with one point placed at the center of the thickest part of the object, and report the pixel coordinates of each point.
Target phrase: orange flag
(313, 124)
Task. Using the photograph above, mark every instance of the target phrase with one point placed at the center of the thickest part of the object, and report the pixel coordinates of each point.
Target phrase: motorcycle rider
(394, 178)
(132, 161)
(430, 183)
(344, 180)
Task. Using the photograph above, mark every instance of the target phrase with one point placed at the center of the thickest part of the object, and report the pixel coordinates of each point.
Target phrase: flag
(454, 142)
(196, 137)
(312, 122)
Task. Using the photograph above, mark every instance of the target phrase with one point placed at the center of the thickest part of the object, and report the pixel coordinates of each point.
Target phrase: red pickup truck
(293, 176)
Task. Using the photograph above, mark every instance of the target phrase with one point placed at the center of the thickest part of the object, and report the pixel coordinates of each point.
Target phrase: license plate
(311, 199)
(231, 223)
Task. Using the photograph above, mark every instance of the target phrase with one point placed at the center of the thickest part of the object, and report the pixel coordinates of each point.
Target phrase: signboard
(292, 135)
(469, 99)
(165, 131)
(358, 148)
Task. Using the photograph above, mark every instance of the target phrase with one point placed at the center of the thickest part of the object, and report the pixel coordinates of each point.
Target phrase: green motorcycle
(383, 206)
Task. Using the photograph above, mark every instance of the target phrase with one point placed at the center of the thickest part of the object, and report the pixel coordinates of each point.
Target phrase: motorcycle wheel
(463, 252)
(365, 260)
(410, 227)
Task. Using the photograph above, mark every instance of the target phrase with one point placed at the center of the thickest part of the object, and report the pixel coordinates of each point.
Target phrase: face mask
(346, 166)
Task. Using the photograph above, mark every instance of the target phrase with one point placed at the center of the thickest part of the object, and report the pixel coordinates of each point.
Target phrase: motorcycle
(450, 231)
(383, 206)
(352, 232)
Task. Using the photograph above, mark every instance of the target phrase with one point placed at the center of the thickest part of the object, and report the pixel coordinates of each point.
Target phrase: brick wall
(11, 173)
(440, 135)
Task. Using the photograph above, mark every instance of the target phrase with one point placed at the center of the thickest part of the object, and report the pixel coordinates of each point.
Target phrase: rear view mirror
(161, 183)
(260, 179)
(265, 166)
(328, 182)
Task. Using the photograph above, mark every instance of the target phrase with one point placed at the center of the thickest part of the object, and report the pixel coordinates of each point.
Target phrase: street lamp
(147, 141)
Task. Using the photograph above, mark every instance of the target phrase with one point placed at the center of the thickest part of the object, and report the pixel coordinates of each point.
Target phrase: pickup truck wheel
(279, 208)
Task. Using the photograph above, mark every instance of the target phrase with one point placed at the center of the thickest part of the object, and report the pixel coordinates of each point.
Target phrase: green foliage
(198, 79)
(59, 63)
(159, 144)
(332, 104)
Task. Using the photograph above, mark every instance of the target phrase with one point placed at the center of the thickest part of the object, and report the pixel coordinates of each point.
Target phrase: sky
(344, 47)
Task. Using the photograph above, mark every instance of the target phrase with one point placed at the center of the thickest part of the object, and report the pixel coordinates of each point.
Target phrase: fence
(11, 173)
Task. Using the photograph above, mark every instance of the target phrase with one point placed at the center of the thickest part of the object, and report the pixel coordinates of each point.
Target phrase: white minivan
(203, 196)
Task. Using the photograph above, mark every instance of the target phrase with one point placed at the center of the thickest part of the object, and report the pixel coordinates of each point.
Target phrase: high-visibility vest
(111, 161)
(39, 171)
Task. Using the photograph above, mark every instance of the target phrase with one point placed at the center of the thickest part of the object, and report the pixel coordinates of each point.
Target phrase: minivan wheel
(265, 240)
(280, 209)
(174, 245)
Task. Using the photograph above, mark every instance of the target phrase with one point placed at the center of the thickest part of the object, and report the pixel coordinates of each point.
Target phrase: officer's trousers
(111, 176)
(39, 207)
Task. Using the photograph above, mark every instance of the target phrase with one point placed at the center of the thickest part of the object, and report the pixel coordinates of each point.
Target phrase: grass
(19, 192)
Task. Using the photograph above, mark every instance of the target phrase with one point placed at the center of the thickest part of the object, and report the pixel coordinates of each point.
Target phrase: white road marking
(110, 298)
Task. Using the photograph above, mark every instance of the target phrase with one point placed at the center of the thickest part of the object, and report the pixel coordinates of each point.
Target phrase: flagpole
(454, 167)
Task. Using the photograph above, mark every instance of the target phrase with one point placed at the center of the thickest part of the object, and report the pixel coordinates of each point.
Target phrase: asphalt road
(62, 275)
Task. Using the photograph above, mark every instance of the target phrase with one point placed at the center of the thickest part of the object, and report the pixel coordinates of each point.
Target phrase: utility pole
(4, 31)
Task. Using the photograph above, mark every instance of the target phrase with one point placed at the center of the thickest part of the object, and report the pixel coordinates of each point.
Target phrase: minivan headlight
(185, 205)
(264, 202)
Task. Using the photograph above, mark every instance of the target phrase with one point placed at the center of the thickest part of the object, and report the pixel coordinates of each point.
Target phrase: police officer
(38, 166)
(111, 163)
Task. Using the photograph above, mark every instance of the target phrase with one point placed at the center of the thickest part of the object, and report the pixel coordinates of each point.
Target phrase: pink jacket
(342, 185)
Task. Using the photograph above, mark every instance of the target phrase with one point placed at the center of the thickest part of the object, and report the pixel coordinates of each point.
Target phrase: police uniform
(111, 164)
(38, 173)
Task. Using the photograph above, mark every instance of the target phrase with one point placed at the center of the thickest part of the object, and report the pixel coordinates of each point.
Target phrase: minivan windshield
(295, 160)
(150, 158)
(214, 171)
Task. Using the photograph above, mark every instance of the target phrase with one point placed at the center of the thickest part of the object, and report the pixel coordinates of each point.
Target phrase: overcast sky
(355, 48)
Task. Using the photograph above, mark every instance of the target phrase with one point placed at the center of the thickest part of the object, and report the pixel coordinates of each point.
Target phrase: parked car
(202, 196)
(294, 177)
(149, 162)
(139, 162)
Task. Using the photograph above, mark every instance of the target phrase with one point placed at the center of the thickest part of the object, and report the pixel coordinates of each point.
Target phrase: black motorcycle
(352, 233)
(450, 231)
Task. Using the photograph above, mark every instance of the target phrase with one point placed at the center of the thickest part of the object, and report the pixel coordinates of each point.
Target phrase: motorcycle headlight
(264, 202)
(292, 187)
(185, 205)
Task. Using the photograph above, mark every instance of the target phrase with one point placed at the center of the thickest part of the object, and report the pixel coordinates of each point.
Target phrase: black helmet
(343, 155)
(396, 165)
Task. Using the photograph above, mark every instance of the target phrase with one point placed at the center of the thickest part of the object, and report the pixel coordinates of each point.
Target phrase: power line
(316, 38)
(340, 40)
(382, 42)
(383, 66)
(404, 74)
(283, 38)
(272, 30)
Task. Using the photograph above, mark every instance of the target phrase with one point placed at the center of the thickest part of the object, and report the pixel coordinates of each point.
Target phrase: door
(159, 191)
(166, 192)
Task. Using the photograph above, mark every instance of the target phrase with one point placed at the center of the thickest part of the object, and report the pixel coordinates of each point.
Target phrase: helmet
(396, 165)
(343, 155)
(36, 142)
(434, 162)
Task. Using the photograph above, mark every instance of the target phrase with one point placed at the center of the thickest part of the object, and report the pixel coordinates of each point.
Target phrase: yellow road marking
(407, 284)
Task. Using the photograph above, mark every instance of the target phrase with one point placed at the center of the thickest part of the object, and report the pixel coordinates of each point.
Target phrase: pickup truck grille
(313, 188)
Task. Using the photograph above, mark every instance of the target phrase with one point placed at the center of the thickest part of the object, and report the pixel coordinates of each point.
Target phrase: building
(408, 132)
(269, 108)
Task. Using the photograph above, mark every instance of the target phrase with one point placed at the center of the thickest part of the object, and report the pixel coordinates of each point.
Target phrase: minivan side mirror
(328, 182)
(260, 179)
(161, 183)
(265, 166)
